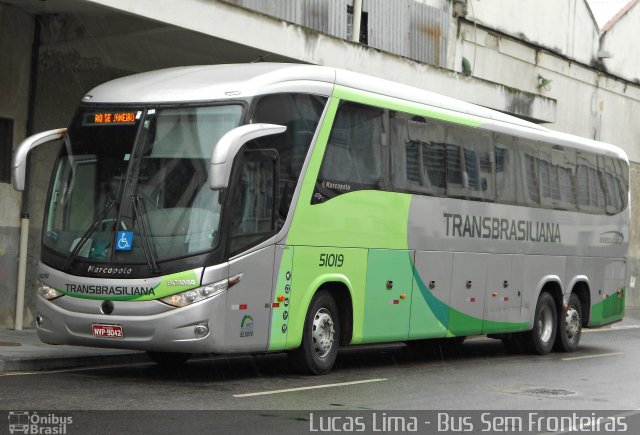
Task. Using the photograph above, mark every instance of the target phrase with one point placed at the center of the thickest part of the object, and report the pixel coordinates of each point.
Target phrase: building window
(364, 27)
(6, 146)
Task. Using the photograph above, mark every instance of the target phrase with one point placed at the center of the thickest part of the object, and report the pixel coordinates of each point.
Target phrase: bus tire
(569, 326)
(541, 338)
(320, 337)
(169, 359)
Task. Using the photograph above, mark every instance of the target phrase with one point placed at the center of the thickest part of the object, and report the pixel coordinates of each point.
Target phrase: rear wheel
(541, 338)
(320, 337)
(569, 326)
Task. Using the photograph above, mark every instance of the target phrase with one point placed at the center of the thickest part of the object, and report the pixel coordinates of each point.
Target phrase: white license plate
(107, 331)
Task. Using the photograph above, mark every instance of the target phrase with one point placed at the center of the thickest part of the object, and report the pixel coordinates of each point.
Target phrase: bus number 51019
(331, 260)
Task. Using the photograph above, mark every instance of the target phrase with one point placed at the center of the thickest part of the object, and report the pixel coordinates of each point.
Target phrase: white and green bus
(281, 207)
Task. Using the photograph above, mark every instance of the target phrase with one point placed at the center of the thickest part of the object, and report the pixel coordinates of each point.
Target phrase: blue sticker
(125, 240)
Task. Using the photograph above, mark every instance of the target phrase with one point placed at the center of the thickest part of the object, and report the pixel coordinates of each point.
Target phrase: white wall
(622, 41)
(564, 26)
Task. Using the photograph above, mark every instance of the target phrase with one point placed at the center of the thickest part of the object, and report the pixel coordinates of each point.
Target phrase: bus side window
(353, 158)
(590, 191)
(616, 184)
(417, 154)
(556, 169)
(565, 162)
(469, 164)
(507, 180)
(529, 161)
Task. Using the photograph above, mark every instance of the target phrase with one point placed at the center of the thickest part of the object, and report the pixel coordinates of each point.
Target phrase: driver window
(254, 200)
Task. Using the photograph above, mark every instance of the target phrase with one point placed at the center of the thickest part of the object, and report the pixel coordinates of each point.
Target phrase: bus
(257, 208)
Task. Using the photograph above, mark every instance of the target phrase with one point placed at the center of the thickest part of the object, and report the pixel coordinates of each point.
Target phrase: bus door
(388, 295)
(467, 293)
(253, 220)
(503, 297)
(248, 310)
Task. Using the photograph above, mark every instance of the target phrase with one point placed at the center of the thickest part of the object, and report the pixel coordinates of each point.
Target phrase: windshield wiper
(85, 236)
(139, 210)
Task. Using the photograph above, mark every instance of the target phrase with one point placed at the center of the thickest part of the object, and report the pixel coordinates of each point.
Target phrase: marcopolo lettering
(110, 270)
(108, 290)
(487, 227)
(337, 186)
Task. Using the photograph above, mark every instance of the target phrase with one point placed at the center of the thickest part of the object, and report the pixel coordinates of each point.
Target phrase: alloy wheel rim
(545, 324)
(572, 322)
(322, 332)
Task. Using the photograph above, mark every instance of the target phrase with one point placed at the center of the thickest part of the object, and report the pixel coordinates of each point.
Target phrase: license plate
(107, 331)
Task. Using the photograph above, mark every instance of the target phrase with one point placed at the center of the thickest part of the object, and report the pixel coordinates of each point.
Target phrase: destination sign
(111, 118)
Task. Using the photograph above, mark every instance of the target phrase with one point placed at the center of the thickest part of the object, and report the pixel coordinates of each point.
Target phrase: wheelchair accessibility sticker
(124, 240)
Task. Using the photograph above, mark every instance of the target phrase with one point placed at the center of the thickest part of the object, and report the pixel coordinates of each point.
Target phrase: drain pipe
(357, 19)
(24, 214)
(22, 270)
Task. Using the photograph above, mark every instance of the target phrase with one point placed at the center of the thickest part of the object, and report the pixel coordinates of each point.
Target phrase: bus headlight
(47, 292)
(196, 294)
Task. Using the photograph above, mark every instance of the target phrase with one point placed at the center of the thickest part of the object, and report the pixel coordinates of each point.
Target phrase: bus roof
(218, 82)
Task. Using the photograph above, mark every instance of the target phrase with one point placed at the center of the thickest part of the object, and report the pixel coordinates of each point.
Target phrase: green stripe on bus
(180, 282)
(391, 103)
(608, 310)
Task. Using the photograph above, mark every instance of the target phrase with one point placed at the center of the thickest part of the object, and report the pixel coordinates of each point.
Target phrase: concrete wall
(16, 35)
(622, 43)
(566, 26)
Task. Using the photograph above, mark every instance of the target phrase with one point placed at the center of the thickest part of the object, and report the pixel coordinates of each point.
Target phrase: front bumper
(146, 325)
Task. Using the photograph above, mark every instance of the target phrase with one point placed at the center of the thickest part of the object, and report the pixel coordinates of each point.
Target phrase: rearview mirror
(19, 172)
(229, 145)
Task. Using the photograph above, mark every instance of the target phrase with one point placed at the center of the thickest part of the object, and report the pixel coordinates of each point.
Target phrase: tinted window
(433, 157)
(616, 184)
(417, 154)
(590, 193)
(253, 212)
(353, 158)
(507, 175)
(300, 113)
(556, 167)
(469, 163)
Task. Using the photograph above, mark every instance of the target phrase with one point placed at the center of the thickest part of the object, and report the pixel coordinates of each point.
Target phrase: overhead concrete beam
(274, 36)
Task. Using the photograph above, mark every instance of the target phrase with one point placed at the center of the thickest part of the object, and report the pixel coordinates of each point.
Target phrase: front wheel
(541, 338)
(320, 336)
(569, 326)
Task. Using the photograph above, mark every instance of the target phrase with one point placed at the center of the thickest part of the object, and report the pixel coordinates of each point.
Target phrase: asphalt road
(601, 375)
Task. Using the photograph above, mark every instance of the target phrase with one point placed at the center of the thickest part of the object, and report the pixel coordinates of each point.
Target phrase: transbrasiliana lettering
(486, 227)
(108, 290)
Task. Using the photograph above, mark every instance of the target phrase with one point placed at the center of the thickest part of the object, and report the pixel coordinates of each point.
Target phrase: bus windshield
(132, 184)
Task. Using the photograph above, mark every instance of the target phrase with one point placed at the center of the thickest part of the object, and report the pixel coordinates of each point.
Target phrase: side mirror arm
(19, 166)
(229, 145)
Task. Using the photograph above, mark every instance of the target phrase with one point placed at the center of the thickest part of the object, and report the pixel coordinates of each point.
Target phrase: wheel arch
(342, 295)
(341, 289)
(551, 284)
